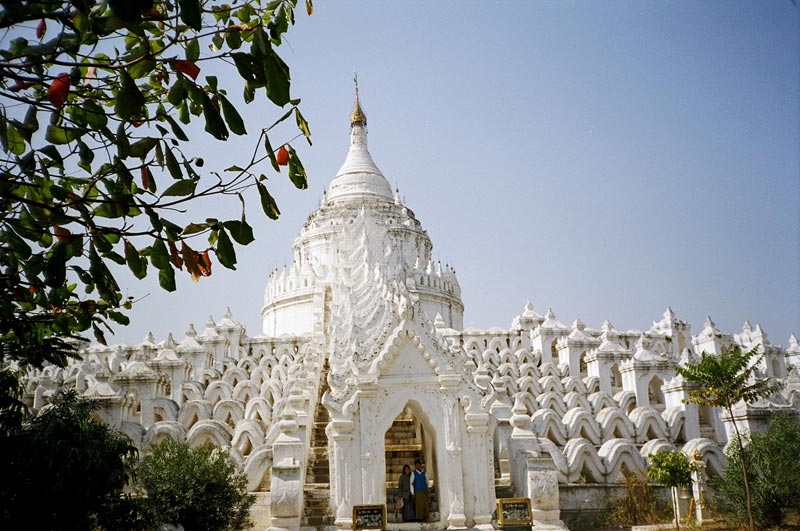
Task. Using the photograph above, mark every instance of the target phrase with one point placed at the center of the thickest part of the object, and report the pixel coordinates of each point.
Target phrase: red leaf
(41, 29)
(188, 68)
(282, 156)
(145, 177)
(19, 85)
(59, 90)
(190, 258)
(204, 263)
(61, 233)
(174, 254)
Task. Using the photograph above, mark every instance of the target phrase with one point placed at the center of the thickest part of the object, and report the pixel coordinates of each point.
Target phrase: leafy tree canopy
(199, 488)
(64, 463)
(669, 468)
(723, 381)
(774, 471)
(97, 166)
(726, 379)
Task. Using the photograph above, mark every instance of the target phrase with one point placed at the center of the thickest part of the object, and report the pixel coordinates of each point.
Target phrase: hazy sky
(603, 159)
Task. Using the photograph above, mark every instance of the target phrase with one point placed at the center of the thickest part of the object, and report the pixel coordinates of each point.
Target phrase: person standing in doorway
(404, 485)
(419, 490)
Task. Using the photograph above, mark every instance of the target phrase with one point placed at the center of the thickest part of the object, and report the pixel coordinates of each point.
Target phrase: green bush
(199, 488)
(773, 466)
(61, 469)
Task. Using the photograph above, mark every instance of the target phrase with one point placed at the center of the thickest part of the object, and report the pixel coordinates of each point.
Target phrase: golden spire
(358, 117)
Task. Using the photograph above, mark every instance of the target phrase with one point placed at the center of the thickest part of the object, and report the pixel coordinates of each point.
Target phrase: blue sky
(603, 159)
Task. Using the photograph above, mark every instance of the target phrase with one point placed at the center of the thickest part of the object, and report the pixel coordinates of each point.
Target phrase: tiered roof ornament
(359, 176)
(358, 117)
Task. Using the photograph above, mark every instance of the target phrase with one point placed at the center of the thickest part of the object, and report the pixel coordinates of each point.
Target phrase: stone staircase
(403, 447)
(502, 484)
(316, 490)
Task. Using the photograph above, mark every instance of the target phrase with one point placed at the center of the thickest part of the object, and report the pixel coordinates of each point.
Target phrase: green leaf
(234, 39)
(166, 278)
(216, 42)
(302, 124)
(119, 318)
(193, 50)
(277, 74)
(95, 115)
(56, 270)
(172, 164)
(159, 256)
(176, 129)
(85, 153)
(52, 153)
(141, 148)
(135, 263)
(249, 92)
(190, 13)
(194, 228)
(3, 133)
(214, 123)
(225, 251)
(232, 116)
(30, 123)
(271, 153)
(177, 93)
(141, 68)
(267, 202)
(62, 135)
(16, 140)
(129, 103)
(17, 244)
(261, 45)
(250, 69)
(122, 141)
(180, 188)
(241, 232)
(297, 174)
(172, 230)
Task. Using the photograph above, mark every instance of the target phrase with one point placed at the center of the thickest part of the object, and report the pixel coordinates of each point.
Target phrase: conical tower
(295, 297)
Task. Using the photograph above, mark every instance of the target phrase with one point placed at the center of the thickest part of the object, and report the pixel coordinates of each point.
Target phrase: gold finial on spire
(358, 117)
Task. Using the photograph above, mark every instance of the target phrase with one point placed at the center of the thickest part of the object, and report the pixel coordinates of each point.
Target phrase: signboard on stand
(514, 512)
(369, 517)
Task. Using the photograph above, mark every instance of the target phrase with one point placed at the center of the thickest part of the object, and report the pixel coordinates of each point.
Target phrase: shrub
(672, 469)
(64, 464)
(199, 488)
(772, 463)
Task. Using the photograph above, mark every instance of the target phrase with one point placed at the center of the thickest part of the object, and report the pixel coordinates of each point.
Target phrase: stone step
(317, 521)
(505, 491)
(401, 441)
(409, 447)
(403, 432)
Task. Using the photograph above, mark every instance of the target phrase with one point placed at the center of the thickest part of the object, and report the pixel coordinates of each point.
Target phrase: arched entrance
(407, 440)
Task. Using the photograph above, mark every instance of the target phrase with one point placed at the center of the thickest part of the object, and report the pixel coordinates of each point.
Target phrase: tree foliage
(726, 379)
(670, 468)
(199, 488)
(68, 466)
(723, 381)
(774, 472)
(99, 104)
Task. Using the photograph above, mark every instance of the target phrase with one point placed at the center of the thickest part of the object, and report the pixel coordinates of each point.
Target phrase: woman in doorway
(404, 484)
